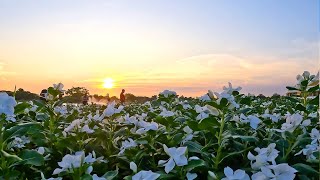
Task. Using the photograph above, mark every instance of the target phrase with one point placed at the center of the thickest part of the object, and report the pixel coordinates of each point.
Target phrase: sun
(108, 83)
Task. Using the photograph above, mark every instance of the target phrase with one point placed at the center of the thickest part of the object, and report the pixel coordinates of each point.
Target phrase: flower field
(221, 135)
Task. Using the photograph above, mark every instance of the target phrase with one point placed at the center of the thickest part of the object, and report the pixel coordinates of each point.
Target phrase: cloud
(3, 72)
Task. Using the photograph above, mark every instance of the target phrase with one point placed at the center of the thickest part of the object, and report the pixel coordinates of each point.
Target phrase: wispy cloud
(3, 72)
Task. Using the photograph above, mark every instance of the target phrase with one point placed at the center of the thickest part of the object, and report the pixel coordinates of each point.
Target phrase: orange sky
(149, 47)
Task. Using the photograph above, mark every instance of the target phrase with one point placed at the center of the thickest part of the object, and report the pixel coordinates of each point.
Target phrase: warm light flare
(108, 83)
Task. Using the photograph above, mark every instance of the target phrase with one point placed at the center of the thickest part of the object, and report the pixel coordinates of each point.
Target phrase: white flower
(96, 177)
(306, 74)
(7, 104)
(86, 129)
(61, 109)
(58, 86)
(166, 113)
(205, 98)
(90, 158)
(227, 96)
(314, 80)
(274, 117)
(133, 167)
(230, 90)
(210, 94)
(306, 123)
(193, 158)
(238, 174)
(127, 144)
(309, 151)
(299, 78)
(41, 150)
(146, 126)
(253, 120)
(259, 176)
(97, 116)
(74, 124)
(48, 96)
(313, 115)
(280, 171)
(270, 152)
(177, 157)
(33, 108)
(130, 120)
(312, 148)
(89, 170)
(205, 111)
(185, 105)
(111, 110)
(265, 155)
(11, 118)
(257, 161)
(167, 93)
(315, 136)
(212, 175)
(19, 142)
(292, 122)
(191, 176)
(69, 162)
(145, 175)
(189, 134)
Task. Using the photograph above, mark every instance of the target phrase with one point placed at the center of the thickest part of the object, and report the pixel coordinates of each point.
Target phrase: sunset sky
(147, 46)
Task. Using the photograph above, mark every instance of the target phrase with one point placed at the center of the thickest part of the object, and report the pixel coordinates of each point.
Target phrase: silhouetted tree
(75, 94)
(22, 95)
(275, 95)
(261, 96)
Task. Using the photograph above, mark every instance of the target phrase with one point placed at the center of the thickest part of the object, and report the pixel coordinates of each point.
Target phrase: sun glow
(108, 83)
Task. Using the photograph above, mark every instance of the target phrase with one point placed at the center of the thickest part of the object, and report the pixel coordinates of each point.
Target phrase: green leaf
(214, 104)
(292, 99)
(20, 129)
(305, 169)
(176, 139)
(181, 119)
(111, 174)
(235, 93)
(195, 164)
(165, 176)
(313, 89)
(128, 178)
(315, 101)
(223, 102)
(86, 177)
(208, 123)
(300, 107)
(32, 157)
(42, 117)
(291, 88)
(193, 147)
(246, 138)
(303, 177)
(246, 101)
(193, 125)
(304, 83)
(9, 157)
(234, 153)
(53, 92)
(21, 107)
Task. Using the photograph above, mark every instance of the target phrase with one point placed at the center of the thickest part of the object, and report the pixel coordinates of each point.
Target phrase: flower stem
(218, 157)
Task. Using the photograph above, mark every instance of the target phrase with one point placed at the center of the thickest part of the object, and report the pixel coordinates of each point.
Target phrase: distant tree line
(75, 94)
(22, 95)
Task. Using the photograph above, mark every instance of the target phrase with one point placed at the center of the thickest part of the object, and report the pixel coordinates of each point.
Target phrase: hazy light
(108, 83)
